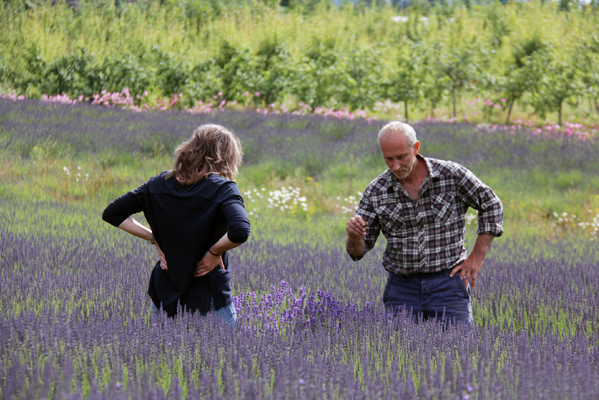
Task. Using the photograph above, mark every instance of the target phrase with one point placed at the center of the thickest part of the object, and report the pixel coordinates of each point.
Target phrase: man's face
(398, 155)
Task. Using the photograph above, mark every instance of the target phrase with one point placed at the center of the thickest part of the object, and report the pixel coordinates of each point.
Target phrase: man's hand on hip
(474, 262)
(468, 270)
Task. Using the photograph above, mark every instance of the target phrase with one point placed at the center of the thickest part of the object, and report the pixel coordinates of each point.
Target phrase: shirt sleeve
(482, 198)
(238, 224)
(123, 207)
(368, 213)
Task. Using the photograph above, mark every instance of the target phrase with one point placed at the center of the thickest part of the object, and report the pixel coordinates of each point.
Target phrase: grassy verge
(318, 207)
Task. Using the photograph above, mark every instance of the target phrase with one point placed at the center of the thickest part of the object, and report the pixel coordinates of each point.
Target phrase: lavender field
(75, 320)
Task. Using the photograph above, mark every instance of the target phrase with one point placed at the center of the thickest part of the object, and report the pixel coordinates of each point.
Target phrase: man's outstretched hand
(356, 228)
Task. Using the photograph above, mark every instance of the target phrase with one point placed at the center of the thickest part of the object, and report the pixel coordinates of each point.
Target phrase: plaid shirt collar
(433, 174)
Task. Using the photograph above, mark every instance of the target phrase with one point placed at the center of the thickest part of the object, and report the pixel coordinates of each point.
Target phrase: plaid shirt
(428, 235)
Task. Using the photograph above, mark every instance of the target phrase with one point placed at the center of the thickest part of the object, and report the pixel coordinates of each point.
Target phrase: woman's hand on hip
(162, 257)
(207, 264)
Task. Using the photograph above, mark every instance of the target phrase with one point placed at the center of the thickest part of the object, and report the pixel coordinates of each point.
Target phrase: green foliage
(360, 85)
(228, 62)
(320, 72)
(124, 71)
(80, 73)
(589, 59)
(518, 77)
(200, 82)
(557, 80)
(406, 84)
(460, 64)
(268, 72)
(326, 56)
(171, 73)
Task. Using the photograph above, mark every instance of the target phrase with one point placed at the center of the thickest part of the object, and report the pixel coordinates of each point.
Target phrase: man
(420, 205)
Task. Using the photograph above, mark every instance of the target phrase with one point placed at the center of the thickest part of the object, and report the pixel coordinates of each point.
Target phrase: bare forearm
(481, 247)
(223, 244)
(133, 227)
(355, 247)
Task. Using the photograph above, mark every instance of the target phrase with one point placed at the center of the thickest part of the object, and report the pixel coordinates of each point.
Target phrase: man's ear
(416, 147)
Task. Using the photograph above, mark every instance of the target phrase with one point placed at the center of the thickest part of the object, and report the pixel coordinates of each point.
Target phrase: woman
(196, 214)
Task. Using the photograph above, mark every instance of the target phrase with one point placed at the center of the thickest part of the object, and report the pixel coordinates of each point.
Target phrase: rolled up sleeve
(124, 206)
(238, 224)
(483, 199)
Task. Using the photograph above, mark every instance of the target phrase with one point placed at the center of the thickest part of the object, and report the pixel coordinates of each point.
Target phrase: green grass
(531, 199)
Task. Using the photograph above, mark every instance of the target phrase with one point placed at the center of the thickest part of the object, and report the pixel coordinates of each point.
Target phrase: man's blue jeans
(226, 314)
(430, 296)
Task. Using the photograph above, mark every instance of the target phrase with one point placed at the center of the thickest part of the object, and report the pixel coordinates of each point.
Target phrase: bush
(123, 71)
(319, 71)
(171, 73)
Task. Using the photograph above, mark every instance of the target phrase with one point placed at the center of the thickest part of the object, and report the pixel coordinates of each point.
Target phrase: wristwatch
(152, 240)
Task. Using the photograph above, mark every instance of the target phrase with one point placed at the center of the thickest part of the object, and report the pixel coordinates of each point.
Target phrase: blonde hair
(211, 149)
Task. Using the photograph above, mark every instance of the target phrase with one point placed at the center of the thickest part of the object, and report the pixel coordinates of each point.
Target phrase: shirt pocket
(442, 207)
(391, 219)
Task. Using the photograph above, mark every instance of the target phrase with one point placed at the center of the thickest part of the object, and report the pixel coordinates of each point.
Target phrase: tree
(459, 63)
(267, 72)
(557, 80)
(435, 84)
(517, 78)
(359, 84)
(590, 73)
(406, 84)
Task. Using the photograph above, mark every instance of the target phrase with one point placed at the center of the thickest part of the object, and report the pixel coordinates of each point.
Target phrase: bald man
(420, 205)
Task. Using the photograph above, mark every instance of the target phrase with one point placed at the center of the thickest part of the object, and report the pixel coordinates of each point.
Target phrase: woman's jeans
(226, 314)
(430, 296)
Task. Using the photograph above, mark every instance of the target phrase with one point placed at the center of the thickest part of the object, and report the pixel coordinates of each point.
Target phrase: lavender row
(75, 323)
(373, 359)
(311, 142)
(551, 281)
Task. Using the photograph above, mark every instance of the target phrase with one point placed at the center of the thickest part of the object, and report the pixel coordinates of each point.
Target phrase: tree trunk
(453, 100)
(405, 108)
(596, 106)
(509, 111)
(559, 114)
(433, 109)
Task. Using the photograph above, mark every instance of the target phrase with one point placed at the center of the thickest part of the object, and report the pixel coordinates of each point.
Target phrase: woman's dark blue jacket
(186, 221)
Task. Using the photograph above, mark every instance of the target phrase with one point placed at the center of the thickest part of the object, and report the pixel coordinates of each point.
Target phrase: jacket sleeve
(238, 224)
(123, 207)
